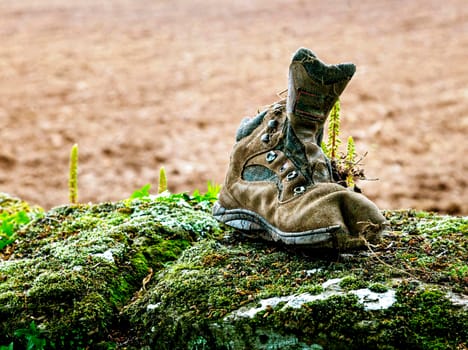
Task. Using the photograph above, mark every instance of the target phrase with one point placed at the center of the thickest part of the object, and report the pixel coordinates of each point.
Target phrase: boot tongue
(304, 154)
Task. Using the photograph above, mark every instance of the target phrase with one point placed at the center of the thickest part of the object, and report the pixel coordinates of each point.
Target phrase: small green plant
(345, 167)
(73, 175)
(33, 336)
(144, 192)
(334, 131)
(204, 200)
(459, 272)
(14, 215)
(141, 192)
(210, 195)
(9, 224)
(6, 347)
(162, 181)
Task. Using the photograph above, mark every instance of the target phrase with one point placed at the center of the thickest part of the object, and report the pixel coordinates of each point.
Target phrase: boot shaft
(313, 89)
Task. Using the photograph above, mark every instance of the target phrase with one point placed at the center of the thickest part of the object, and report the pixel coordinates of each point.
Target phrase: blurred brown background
(141, 84)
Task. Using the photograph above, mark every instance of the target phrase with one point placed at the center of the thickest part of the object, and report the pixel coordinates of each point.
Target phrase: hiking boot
(279, 184)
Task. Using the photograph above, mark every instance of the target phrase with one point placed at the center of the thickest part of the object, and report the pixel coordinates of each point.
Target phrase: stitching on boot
(307, 102)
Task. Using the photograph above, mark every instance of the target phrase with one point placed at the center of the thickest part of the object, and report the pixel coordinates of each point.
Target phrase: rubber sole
(252, 224)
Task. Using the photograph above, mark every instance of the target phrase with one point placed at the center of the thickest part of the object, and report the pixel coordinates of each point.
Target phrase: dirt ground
(144, 84)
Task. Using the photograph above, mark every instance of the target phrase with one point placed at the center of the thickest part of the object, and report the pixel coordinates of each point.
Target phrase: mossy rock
(72, 270)
(162, 274)
(409, 292)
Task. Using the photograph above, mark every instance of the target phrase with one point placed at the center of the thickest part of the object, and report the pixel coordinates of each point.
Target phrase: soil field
(144, 84)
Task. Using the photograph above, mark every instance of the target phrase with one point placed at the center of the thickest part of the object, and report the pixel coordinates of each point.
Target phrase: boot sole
(251, 223)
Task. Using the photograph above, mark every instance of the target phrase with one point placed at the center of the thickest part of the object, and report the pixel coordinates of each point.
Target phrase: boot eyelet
(272, 124)
(293, 174)
(283, 167)
(299, 190)
(265, 138)
(276, 106)
(271, 156)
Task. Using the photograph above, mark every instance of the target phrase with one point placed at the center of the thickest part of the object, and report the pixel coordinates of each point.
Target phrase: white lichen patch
(370, 300)
(151, 307)
(107, 255)
(333, 283)
(311, 272)
(458, 299)
(375, 301)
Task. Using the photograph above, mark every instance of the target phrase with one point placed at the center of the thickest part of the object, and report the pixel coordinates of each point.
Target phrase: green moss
(139, 263)
(164, 251)
(209, 281)
(75, 268)
(322, 322)
(459, 272)
(352, 282)
(11, 205)
(120, 290)
(425, 318)
(378, 287)
(313, 289)
(61, 287)
(434, 225)
(429, 247)
(429, 224)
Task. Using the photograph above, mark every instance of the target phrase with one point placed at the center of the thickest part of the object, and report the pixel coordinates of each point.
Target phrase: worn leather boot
(279, 184)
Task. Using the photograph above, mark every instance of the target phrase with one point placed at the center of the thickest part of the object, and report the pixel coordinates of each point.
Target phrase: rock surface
(161, 273)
